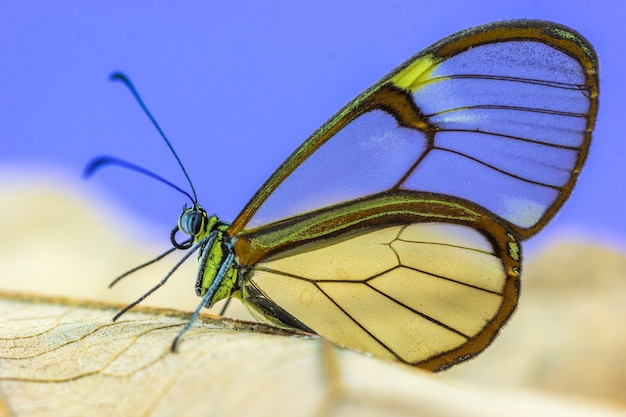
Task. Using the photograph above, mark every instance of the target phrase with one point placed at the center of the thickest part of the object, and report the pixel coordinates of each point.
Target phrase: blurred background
(237, 86)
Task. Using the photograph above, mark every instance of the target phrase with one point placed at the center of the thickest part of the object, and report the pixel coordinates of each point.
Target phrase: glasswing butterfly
(395, 228)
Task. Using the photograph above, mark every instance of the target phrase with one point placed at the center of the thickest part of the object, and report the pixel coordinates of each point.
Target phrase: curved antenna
(123, 78)
(101, 161)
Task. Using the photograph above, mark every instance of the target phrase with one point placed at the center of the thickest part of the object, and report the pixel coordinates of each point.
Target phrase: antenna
(100, 161)
(119, 76)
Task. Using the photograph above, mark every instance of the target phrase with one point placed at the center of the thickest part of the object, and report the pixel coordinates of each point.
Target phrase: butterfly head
(194, 222)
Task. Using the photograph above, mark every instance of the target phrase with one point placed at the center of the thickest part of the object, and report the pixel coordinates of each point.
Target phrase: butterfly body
(396, 227)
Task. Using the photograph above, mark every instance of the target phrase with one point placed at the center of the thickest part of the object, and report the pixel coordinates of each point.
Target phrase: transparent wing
(429, 294)
(499, 115)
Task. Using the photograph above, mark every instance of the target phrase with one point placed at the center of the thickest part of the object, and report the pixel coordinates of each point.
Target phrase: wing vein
(514, 108)
(546, 83)
(519, 138)
(499, 170)
(361, 326)
(423, 315)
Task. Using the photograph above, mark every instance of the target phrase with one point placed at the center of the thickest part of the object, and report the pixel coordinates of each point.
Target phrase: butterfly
(395, 229)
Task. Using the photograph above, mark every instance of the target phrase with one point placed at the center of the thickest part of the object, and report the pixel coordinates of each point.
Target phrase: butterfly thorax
(215, 245)
(214, 255)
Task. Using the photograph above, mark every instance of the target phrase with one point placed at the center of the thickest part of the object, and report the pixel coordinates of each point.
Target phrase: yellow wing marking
(416, 73)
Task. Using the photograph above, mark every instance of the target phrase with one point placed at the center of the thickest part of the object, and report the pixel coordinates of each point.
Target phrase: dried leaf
(65, 359)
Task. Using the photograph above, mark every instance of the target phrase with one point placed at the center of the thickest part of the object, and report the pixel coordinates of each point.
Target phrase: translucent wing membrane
(511, 121)
(499, 116)
(367, 156)
(434, 288)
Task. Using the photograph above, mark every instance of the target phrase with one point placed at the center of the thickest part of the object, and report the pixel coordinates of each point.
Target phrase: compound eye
(191, 222)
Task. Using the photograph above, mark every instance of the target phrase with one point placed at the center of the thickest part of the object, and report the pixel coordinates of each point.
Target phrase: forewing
(499, 115)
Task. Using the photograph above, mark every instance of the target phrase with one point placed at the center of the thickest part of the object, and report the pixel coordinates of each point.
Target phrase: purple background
(239, 85)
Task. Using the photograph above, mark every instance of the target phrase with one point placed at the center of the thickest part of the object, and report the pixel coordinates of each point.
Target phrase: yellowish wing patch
(410, 292)
(416, 73)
